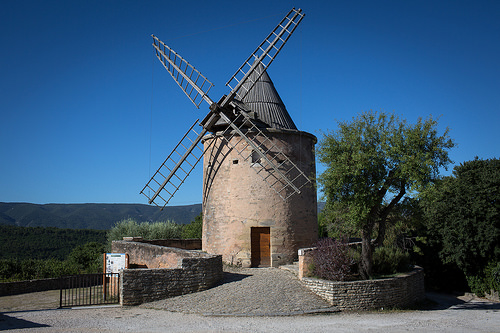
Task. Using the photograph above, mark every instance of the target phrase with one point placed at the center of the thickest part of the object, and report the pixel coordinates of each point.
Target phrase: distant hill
(90, 216)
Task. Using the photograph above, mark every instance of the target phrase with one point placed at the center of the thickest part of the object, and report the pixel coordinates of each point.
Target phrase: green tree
(194, 229)
(462, 213)
(372, 163)
(87, 258)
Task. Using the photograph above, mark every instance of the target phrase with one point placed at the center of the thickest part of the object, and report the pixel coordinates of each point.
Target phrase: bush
(30, 269)
(332, 260)
(87, 258)
(146, 230)
(194, 229)
(486, 282)
(492, 273)
(390, 260)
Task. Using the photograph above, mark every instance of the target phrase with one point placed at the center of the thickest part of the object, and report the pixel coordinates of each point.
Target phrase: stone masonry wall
(146, 255)
(401, 290)
(146, 285)
(168, 272)
(236, 198)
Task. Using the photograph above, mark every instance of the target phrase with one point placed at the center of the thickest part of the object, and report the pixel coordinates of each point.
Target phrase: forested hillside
(90, 216)
(43, 243)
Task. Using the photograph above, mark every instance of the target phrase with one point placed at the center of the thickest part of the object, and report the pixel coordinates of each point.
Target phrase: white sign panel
(115, 262)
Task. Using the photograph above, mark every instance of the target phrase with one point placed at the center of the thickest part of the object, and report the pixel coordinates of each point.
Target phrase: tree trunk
(366, 253)
(381, 232)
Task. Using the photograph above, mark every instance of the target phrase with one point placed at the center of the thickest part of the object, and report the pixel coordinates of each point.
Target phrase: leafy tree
(87, 258)
(194, 229)
(462, 213)
(372, 163)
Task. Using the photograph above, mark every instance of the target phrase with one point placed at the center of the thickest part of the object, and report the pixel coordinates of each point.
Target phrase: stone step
(294, 268)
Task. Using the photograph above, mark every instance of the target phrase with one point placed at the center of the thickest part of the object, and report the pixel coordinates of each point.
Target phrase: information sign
(115, 262)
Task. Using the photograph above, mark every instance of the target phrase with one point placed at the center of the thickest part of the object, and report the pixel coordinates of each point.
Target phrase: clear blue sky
(88, 113)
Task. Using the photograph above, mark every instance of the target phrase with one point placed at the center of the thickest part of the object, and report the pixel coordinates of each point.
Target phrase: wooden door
(261, 246)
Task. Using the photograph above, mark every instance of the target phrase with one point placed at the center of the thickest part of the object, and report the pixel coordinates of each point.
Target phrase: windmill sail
(175, 169)
(277, 170)
(265, 53)
(191, 81)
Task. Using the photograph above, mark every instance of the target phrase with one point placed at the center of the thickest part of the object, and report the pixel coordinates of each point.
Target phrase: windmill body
(259, 199)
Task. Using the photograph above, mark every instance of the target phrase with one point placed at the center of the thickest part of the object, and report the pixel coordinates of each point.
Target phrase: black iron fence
(89, 289)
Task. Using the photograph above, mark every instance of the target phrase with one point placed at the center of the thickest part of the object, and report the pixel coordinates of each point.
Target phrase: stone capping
(169, 272)
(399, 291)
(146, 255)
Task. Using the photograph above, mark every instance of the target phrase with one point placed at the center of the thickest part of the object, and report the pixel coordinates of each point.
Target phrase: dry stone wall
(402, 290)
(146, 285)
(170, 272)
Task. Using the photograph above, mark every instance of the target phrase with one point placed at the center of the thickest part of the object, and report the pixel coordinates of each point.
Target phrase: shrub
(30, 269)
(332, 260)
(146, 230)
(87, 258)
(492, 273)
(484, 283)
(194, 229)
(390, 260)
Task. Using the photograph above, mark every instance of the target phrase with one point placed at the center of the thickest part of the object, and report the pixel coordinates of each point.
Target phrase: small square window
(255, 157)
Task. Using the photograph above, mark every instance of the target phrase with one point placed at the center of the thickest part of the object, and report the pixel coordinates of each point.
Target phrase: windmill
(235, 129)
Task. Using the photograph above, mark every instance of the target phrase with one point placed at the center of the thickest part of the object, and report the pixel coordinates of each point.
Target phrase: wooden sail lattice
(264, 54)
(274, 166)
(277, 170)
(175, 169)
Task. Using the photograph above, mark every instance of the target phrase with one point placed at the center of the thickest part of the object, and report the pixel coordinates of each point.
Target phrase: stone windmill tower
(259, 200)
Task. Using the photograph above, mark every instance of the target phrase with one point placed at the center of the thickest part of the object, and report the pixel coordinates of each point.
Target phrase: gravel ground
(475, 317)
(249, 292)
(257, 300)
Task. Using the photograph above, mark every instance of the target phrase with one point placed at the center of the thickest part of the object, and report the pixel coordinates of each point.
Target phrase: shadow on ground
(11, 323)
(233, 277)
(454, 302)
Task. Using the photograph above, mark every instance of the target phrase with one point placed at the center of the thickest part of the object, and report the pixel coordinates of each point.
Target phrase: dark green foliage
(90, 216)
(193, 229)
(492, 276)
(44, 243)
(332, 260)
(462, 214)
(87, 258)
(390, 260)
(30, 269)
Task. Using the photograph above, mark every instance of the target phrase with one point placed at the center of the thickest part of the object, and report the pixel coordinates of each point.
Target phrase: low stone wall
(171, 272)
(145, 255)
(402, 290)
(29, 286)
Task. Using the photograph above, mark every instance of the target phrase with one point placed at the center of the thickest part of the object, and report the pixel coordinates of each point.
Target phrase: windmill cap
(265, 101)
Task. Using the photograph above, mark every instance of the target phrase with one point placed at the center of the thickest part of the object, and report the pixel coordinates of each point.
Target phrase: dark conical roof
(265, 101)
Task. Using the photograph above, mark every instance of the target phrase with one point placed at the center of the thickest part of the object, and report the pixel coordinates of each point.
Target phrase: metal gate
(89, 289)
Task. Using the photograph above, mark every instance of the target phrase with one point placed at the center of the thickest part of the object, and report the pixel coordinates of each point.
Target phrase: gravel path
(249, 292)
(255, 300)
(473, 316)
